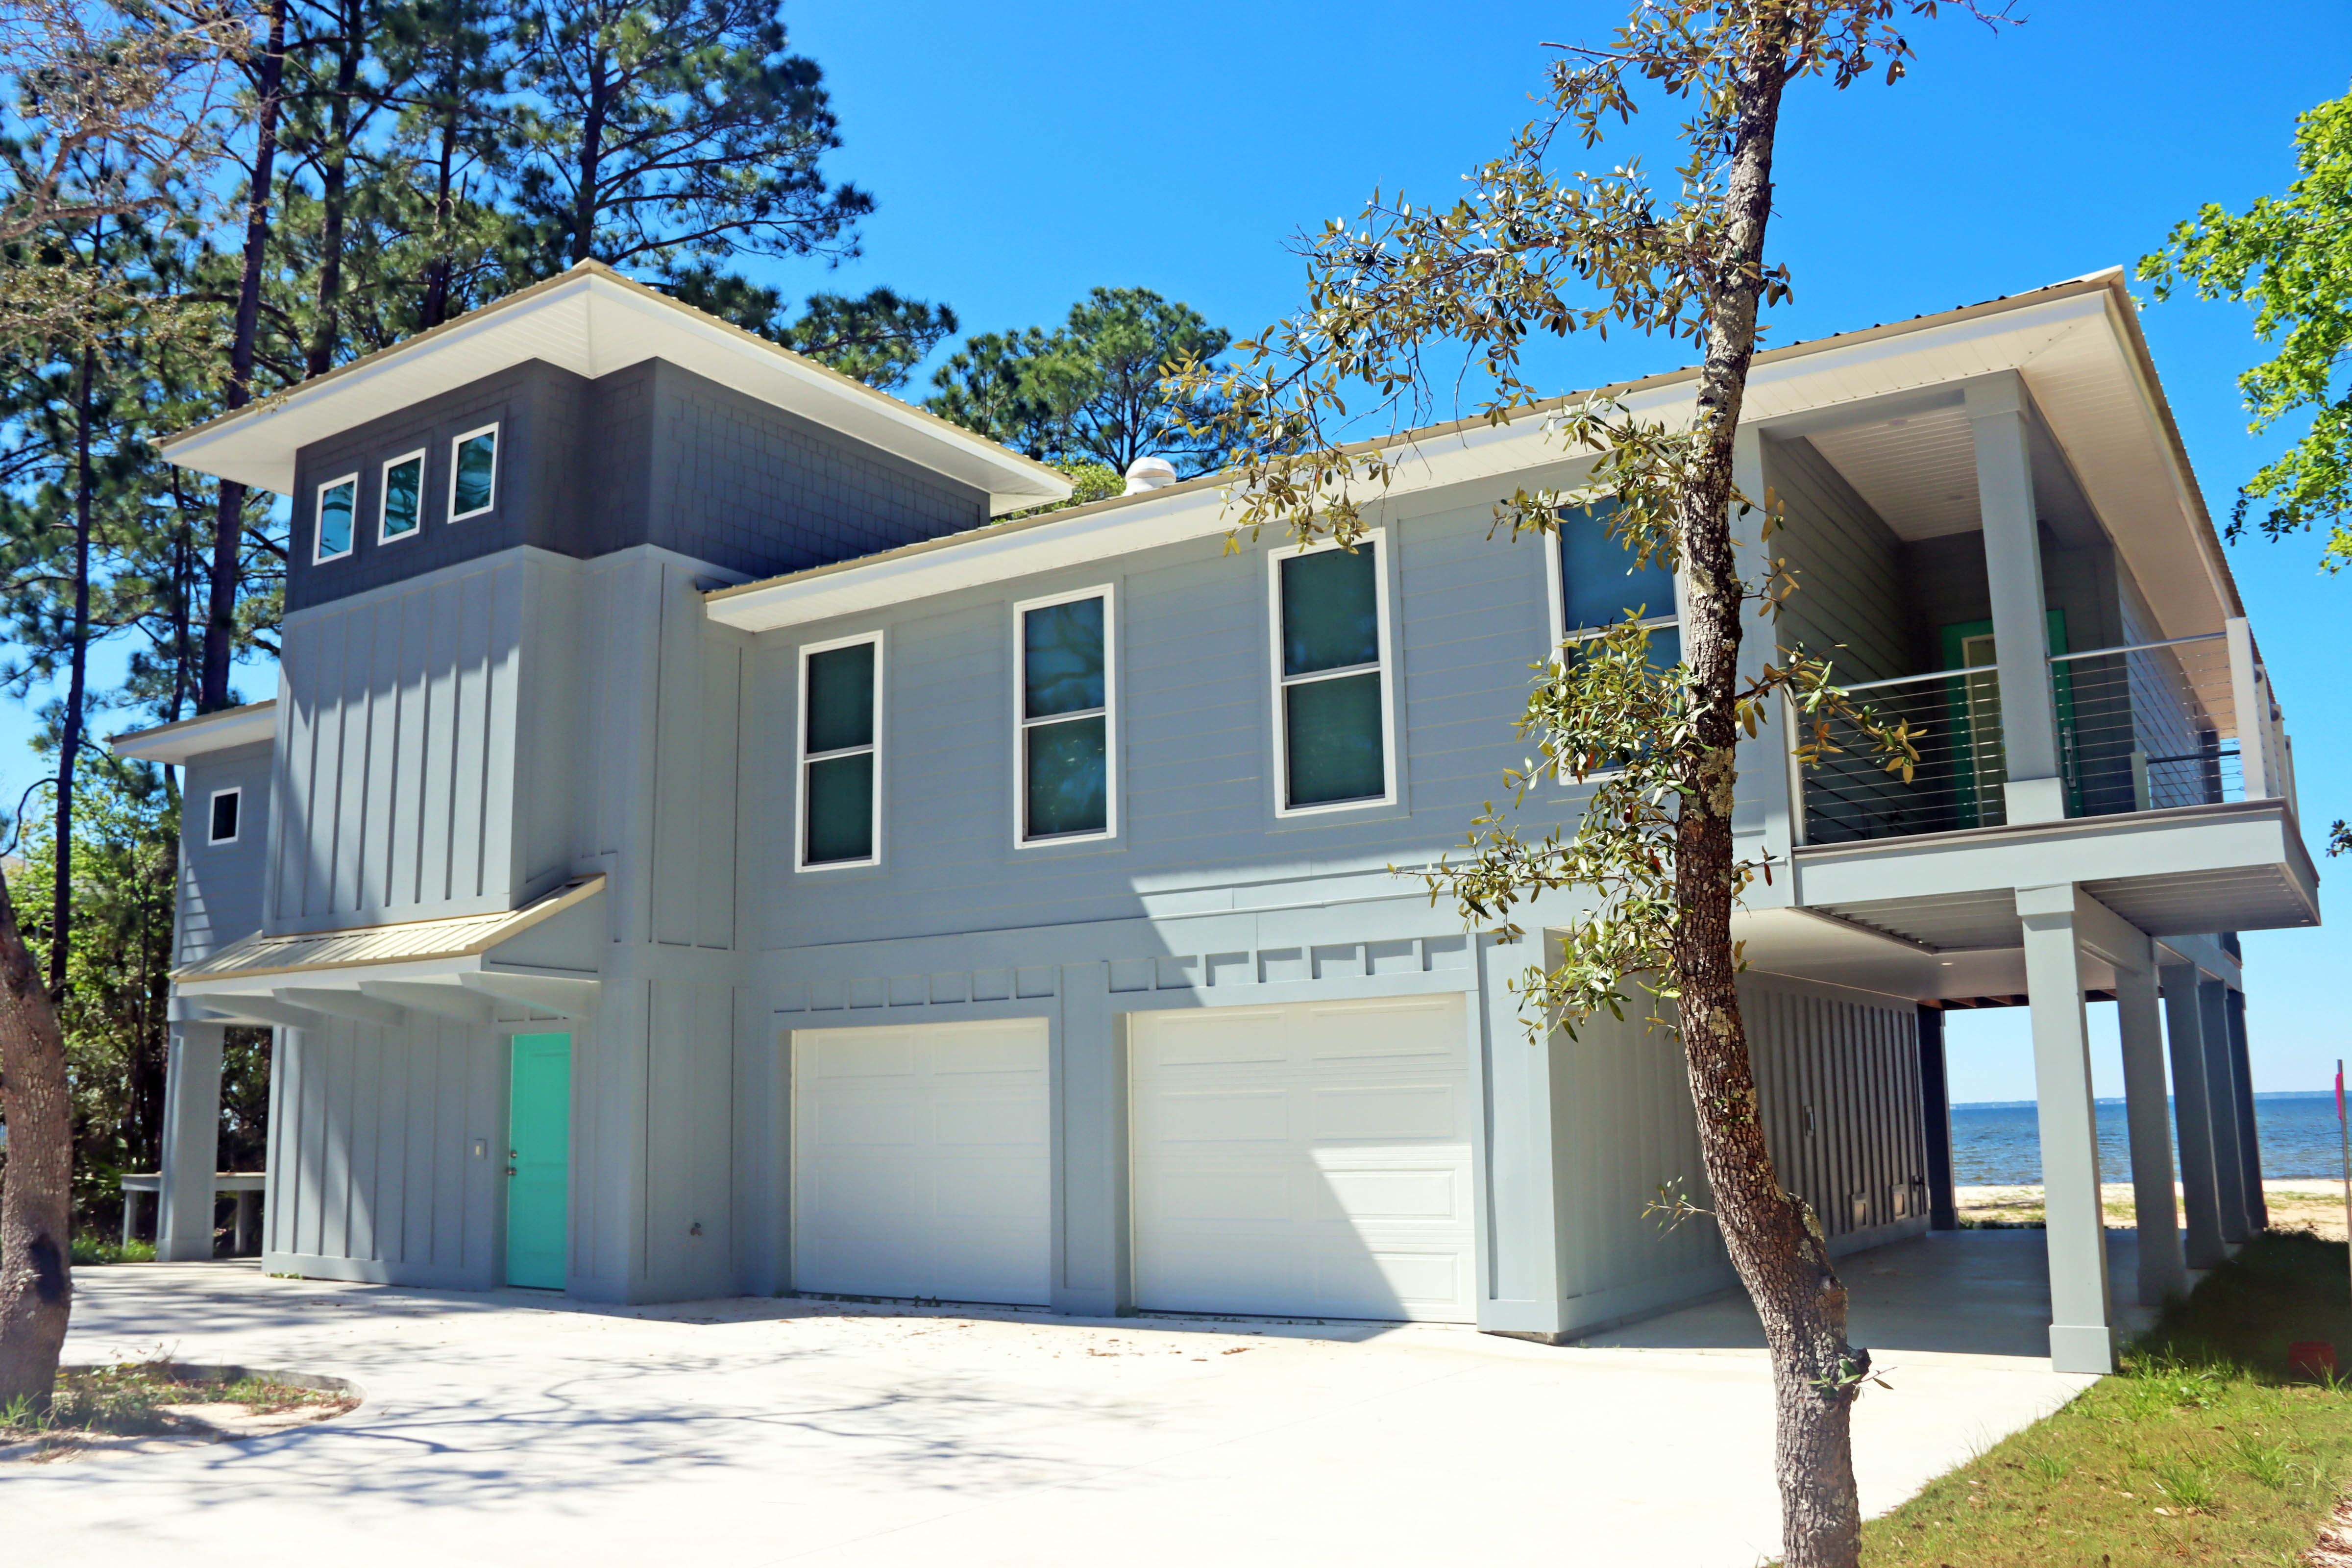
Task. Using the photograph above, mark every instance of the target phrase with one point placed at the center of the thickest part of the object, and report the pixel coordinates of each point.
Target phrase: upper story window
(338, 499)
(1333, 745)
(401, 511)
(473, 473)
(1065, 741)
(840, 766)
(1594, 581)
(225, 805)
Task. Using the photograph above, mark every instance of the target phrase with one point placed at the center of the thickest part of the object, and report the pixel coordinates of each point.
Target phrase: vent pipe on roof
(1149, 474)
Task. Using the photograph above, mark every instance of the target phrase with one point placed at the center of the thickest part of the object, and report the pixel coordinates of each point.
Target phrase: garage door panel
(920, 1163)
(1253, 1116)
(1413, 1032)
(890, 1053)
(995, 1120)
(990, 1051)
(1185, 1196)
(1226, 1036)
(1320, 1168)
(1384, 1197)
(1386, 1112)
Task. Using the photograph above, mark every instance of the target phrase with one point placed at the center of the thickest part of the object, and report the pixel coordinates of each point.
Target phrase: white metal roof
(593, 320)
(452, 936)
(2077, 345)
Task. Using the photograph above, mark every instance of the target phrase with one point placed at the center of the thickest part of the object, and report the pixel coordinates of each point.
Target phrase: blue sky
(1023, 155)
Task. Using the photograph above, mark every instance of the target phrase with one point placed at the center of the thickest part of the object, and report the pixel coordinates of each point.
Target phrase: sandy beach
(2293, 1202)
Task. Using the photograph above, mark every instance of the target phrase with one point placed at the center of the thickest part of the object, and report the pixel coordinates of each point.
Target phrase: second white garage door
(920, 1163)
(1311, 1159)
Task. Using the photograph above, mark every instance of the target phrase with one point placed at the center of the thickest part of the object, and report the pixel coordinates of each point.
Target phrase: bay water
(1999, 1145)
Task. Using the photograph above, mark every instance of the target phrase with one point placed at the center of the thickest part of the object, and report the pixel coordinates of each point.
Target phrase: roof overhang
(181, 743)
(593, 320)
(401, 945)
(2076, 344)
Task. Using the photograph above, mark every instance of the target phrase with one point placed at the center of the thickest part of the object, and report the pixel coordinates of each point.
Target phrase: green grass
(125, 1401)
(2204, 1448)
(88, 1252)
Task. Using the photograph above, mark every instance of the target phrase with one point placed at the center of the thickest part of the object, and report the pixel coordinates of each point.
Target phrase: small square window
(403, 495)
(338, 499)
(225, 805)
(474, 473)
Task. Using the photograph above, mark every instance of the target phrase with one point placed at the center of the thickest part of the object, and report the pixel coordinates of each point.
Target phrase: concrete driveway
(516, 1430)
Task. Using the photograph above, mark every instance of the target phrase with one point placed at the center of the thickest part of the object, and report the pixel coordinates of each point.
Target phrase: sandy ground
(2296, 1202)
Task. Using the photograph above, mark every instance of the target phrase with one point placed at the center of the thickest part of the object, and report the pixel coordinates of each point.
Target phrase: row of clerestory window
(473, 483)
(1334, 739)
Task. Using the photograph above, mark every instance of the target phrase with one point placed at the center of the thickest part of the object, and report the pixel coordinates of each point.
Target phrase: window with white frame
(1595, 580)
(225, 805)
(473, 473)
(1066, 741)
(400, 511)
(338, 499)
(840, 752)
(1333, 744)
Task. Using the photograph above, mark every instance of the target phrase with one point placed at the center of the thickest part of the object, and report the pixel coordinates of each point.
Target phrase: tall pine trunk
(77, 688)
(1775, 1244)
(335, 191)
(228, 529)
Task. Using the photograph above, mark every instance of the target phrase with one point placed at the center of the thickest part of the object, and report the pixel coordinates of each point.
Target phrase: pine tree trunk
(228, 529)
(1775, 1241)
(36, 1211)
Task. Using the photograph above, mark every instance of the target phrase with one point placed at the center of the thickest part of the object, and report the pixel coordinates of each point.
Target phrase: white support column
(2184, 1034)
(2251, 710)
(2020, 628)
(2162, 1270)
(2082, 1337)
(192, 1085)
(1771, 795)
(2221, 1110)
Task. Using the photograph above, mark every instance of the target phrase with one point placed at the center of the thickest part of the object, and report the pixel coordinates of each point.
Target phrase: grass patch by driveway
(2207, 1448)
(158, 1399)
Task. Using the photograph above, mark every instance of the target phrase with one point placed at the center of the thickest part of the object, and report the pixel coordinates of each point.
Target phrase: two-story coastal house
(694, 850)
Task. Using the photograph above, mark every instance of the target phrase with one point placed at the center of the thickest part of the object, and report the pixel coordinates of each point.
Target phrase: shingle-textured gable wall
(749, 487)
(651, 454)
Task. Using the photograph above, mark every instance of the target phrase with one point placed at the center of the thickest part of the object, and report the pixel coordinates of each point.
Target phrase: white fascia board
(593, 322)
(191, 738)
(2183, 842)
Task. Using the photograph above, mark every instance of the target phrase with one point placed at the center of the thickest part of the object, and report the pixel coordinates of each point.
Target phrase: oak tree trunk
(1774, 1241)
(36, 1277)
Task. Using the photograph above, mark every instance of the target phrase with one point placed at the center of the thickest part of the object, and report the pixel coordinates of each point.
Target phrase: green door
(1974, 701)
(539, 1161)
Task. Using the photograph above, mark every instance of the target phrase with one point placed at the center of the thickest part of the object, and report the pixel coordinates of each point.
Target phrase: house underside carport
(2142, 909)
(455, 976)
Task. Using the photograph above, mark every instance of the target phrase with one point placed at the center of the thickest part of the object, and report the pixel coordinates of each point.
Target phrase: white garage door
(919, 1161)
(1310, 1160)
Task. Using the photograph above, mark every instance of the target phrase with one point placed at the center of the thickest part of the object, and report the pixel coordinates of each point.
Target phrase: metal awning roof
(453, 936)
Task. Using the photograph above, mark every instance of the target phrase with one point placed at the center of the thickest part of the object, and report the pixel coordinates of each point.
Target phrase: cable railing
(2142, 727)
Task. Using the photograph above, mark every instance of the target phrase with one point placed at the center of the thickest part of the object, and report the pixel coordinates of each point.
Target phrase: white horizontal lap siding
(921, 1162)
(1313, 1159)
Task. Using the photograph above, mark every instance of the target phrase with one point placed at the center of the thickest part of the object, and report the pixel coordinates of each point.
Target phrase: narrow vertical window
(337, 499)
(223, 827)
(1596, 581)
(1332, 718)
(403, 494)
(473, 473)
(1064, 715)
(840, 721)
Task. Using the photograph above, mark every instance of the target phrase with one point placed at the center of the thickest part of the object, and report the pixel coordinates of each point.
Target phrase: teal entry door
(539, 1161)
